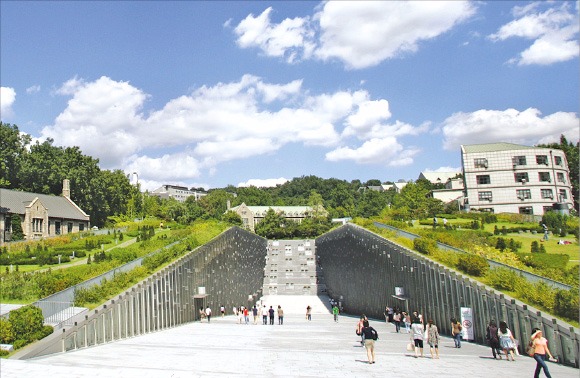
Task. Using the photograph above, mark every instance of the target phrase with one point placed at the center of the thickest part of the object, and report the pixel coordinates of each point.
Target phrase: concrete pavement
(299, 348)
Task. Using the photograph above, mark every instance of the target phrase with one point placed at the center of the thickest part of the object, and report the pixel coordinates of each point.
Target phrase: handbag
(410, 347)
(531, 350)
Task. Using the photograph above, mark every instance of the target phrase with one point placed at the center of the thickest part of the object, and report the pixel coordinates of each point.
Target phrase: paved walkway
(299, 348)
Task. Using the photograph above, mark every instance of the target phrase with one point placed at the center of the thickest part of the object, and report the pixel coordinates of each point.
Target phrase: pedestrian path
(299, 348)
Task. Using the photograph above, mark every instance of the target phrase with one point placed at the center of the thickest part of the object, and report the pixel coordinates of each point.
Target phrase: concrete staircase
(292, 279)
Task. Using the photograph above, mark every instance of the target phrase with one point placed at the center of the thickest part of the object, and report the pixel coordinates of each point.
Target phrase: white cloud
(263, 183)
(360, 34)
(443, 169)
(385, 151)
(288, 39)
(554, 31)
(195, 133)
(33, 89)
(7, 98)
(510, 125)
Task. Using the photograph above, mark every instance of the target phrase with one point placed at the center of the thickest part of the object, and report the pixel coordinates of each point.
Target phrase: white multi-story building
(510, 178)
(180, 193)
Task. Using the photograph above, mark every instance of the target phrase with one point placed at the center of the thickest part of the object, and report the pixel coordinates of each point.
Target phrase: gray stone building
(41, 215)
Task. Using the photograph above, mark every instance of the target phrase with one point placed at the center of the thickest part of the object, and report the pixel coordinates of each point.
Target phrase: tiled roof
(493, 147)
(15, 202)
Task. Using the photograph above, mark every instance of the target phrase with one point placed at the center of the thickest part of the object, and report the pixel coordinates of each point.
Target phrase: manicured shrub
(473, 265)
(566, 304)
(425, 246)
(505, 279)
(26, 321)
(535, 247)
(6, 333)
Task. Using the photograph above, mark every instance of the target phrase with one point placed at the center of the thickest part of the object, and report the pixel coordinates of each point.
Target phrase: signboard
(467, 322)
(399, 291)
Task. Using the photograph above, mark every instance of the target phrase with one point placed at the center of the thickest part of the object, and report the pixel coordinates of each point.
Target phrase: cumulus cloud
(263, 183)
(385, 151)
(527, 127)
(554, 32)
(289, 39)
(360, 34)
(195, 133)
(7, 98)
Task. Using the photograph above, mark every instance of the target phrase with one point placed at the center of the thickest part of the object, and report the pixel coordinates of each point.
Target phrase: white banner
(467, 322)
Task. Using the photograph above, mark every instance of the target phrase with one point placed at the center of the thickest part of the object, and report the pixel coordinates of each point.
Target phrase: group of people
(421, 335)
(398, 318)
(501, 339)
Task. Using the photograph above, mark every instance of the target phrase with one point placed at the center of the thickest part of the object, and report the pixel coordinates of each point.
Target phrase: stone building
(41, 215)
(252, 215)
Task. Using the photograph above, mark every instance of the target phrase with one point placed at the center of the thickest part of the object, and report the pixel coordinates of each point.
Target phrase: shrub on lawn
(425, 246)
(505, 279)
(473, 265)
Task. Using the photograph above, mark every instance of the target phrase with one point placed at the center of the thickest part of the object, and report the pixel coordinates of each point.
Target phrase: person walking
(370, 335)
(397, 320)
(360, 326)
(540, 345)
(493, 339)
(433, 339)
(417, 335)
(255, 313)
(308, 313)
(456, 329)
(280, 315)
(506, 340)
(335, 312)
(264, 315)
(271, 313)
(407, 319)
(208, 313)
(223, 310)
(246, 316)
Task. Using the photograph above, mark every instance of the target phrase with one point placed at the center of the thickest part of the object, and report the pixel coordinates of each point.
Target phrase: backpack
(375, 334)
(492, 333)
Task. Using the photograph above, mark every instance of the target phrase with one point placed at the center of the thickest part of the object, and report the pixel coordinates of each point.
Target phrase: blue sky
(216, 93)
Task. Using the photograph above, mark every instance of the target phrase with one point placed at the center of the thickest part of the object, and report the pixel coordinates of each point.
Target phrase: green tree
(215, 203)
(26, 321)
(413, 196)
(232, 217)
(272, 226)
(12, 150)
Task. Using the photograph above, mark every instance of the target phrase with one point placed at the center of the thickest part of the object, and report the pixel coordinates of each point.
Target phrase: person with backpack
(456, 329)
(493, 339)
(370, 335)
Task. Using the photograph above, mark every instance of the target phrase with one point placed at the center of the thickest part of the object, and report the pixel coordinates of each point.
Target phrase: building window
(485, 196)
(547, 209)
(480, 163)
(561, 177)
(547, 193)
(81, 226)
(524, 194)
(519, 160)
(486, 209)
(526, 210)
(37, 224)
(563, 194)
(558, 160)
(483, 179)
(521, 177)
(544, 176)
(542, 159)
(69, 227)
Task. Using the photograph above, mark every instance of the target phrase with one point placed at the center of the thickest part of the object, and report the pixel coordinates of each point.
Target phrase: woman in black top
(370, 335)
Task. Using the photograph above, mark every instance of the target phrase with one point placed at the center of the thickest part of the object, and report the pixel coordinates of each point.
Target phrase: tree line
(108, 196)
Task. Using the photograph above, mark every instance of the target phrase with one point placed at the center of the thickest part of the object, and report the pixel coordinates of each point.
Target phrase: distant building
(510, 178)
(384, 187)
(438, 177)
(453, 192)
(252, 215)
(179, 193)
(41, 215)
